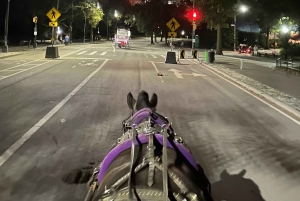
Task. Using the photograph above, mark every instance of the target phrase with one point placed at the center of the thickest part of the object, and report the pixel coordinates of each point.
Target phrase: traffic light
(193, 15)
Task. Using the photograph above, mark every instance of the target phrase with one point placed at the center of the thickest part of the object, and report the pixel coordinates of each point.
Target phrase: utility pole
(193, 33)
(57, 7)
(71, 31)
(5, 47)
(107, 29)
(35, 19)
(234, 33)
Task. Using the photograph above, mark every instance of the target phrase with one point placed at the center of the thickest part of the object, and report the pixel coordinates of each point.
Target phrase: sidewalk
(17, 50)
(271, 82)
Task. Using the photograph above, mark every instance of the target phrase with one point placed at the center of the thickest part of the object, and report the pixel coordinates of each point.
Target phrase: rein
(166, 129)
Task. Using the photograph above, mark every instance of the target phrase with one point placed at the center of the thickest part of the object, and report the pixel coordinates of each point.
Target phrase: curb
(257, 93)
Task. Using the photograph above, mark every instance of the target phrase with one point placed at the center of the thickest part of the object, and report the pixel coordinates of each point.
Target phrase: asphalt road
(57, 115)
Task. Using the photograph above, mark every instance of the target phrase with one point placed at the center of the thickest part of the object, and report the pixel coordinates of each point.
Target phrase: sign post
(35, 19)
(173, 25)
(53, 15)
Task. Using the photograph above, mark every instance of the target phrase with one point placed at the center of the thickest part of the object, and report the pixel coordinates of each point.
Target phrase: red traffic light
(193, 15)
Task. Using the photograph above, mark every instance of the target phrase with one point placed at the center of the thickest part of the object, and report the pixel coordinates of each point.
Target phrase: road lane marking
(80, 53)
(15, 69)
(176, 73)
(163, 56)
(146, 55)
(153, 56)
(93, 53)
(21, 65)
(13, 148)
(103, 53)
(113, 48)
(82, 58)
(157, 71)
(24, 70)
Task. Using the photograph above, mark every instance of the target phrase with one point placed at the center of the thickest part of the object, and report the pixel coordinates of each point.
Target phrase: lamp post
(242, 9)
(116, 16)
(5, 47)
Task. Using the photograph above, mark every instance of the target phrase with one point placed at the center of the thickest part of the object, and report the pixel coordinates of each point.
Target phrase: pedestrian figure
(173, 25)
(66, 39)
(53, 14)
(255, 50)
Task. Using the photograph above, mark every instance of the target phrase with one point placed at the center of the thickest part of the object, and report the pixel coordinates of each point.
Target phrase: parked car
(245, 49)
(270, 52)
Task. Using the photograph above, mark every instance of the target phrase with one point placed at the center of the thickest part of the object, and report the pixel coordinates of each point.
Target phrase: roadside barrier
(186, 54)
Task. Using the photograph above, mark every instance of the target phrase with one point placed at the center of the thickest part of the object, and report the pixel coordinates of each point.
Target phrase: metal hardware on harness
(165, 159)
(151, 155)
(131, 161)
(150, 127)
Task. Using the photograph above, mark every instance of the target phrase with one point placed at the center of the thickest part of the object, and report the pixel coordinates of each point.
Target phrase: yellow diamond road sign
(53, 14)
(173, 24)
(53, 24)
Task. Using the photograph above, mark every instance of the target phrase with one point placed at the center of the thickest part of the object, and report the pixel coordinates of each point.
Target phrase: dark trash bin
(211, 56)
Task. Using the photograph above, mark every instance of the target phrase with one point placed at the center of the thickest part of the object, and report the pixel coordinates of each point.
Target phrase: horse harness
(148, 123)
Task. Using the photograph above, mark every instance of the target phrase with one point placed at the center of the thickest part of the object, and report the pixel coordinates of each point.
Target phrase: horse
(149, 161)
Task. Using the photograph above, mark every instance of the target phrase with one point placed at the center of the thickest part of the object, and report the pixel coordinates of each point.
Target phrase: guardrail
(288, 65)
(182, 54)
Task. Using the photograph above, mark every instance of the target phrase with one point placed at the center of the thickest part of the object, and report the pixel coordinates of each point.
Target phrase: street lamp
(284, 29)
(5, 47)
(182, 32)
(242, 9)
(116, 16)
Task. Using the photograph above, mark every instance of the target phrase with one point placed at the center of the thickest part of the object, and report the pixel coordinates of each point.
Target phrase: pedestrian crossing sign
(53, 14)
(173, 24)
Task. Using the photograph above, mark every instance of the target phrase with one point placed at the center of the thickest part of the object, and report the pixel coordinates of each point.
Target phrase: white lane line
(146, 55)
(20, 65)
(15, 69)
(13, 148)
(82, 58)
(74, 66)
(163, 56)
(153, 56)
(93, 53)
(24, 70)
(157, 71)
(80, 53)
(103, 53)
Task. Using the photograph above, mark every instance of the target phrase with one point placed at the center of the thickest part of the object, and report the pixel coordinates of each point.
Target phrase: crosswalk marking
(93, 53)
(103, 53)
(80, 53)
(153, 56)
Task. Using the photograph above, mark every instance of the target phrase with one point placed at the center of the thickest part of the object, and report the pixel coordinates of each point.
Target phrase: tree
(146, 17)
(91, 14)
(216, 13)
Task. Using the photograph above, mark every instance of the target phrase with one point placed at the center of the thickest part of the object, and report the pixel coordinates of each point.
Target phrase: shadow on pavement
(235, 188)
